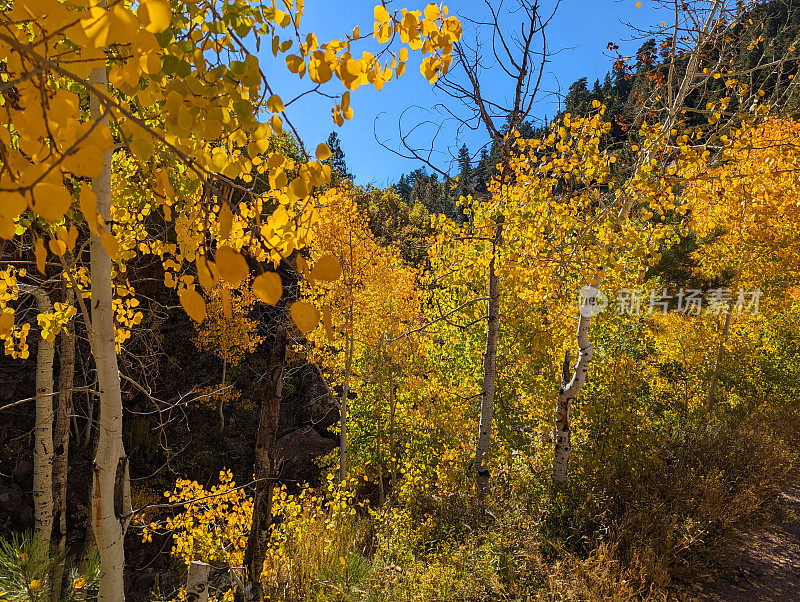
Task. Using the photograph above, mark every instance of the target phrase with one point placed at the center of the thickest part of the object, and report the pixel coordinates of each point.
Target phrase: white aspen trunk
(109, 525)
(43, 431)
(566, 394)
(197, 582)
(66, 382)
(712, 390)
(489, 371)
(348, 365)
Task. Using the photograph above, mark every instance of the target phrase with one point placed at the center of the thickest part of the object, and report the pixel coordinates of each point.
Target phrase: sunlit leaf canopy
(190, 117)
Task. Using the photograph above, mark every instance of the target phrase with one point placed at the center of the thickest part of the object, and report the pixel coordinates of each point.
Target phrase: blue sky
(580, 31)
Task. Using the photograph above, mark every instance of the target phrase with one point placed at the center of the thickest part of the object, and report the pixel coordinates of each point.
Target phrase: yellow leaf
(275, 104)
(231, 264)
(12, 204)
(7, 227)
(87, 159)
(225, 221)
(193, 304)
(41, 254)
(164, 188)
(327, 322)
(430, 69)
(298, 188)
(319, 69)
(276, 123)
(117, 25)
(275, 161)
(219, 158)
(154, 15)
(150, 63)
(303, 266)
(327, 268)
(305, 316)
(350, 72)
(323, 152)
(383, 32)
(110, 244)
(6, 323)
(296, 64)
(88, 202)
(57, 247)
(431, 12)
(226, 303)
(124, 25)
(206, 273)
(70, 237)
(381, 14)
(268, 287)
(279, 180)
(51, 201)
(96, 26)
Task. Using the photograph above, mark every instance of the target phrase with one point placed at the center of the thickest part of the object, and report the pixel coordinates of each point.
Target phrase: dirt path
(766, 565)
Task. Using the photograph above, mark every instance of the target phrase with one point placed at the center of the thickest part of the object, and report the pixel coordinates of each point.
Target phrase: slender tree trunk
(265, 469)
(489, 370)
(566, 394)
(379, 450)
(110, 523)
(66, 381)
(87, 432)
(712, 390)
(348, 366)
(43, 431)
(392, 412)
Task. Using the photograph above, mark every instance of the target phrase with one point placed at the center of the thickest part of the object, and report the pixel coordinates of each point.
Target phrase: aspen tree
(177, 99)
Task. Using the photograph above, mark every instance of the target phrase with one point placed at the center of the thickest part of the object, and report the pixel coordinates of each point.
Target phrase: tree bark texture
(197, 582)
(109, 521)
(265, 469)
(712, 389)
(43, 430)
(569, 389)
(348, 367)
(66, 382)
(489, 370)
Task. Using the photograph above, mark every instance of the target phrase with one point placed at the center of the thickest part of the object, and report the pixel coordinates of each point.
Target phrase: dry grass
(661, 529)
(643, 529)
(615, 533)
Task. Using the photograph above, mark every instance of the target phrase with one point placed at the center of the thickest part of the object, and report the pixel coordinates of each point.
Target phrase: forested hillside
(562, 366)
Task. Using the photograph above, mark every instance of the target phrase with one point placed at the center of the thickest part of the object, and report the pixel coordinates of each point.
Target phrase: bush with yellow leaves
(313, 535)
